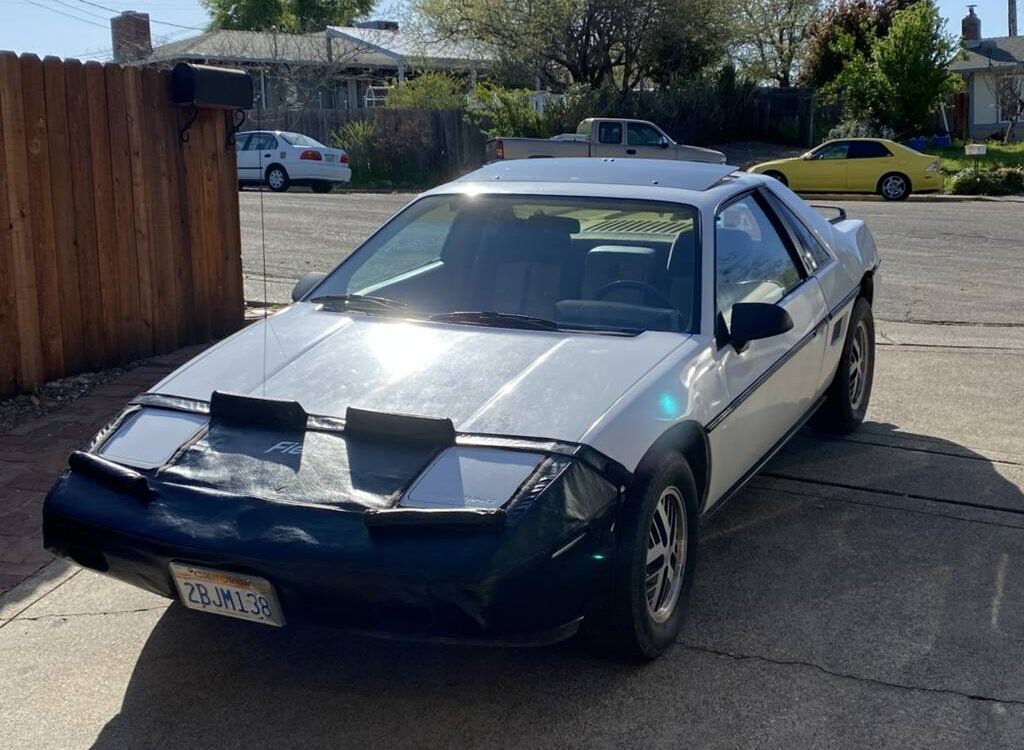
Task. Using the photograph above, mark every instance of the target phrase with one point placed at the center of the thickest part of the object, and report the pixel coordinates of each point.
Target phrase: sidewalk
(33, 454)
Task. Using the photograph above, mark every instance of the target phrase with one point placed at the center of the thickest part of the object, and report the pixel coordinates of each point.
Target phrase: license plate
(331, 157)
(230, 594)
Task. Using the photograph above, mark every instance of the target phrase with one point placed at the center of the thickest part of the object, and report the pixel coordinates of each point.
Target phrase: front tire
(277, 178)
(894, 187)
(655, 553)
(322, 187)
(846, 401)
(777, 176)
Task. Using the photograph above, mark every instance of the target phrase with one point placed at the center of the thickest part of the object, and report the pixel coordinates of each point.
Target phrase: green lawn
(952, 158)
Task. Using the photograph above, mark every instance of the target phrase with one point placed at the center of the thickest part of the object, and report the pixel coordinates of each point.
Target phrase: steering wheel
(642, 286)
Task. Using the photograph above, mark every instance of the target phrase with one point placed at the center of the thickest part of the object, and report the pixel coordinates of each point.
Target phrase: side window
(241, 140)
(752, 263)
(609, 132)
(642, 135)
(867, 150)
(833, 151)
(262, 142)
(811, 251)
(417, 244)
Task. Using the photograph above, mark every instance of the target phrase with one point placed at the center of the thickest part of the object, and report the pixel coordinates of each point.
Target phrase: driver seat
(607, 263)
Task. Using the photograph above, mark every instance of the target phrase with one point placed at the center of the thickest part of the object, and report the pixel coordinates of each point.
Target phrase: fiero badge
(293, 449)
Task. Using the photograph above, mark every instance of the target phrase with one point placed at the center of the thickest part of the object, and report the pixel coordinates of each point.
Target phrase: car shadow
(812, 596)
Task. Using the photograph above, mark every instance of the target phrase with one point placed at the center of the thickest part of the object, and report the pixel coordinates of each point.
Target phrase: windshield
(298, 139)
(605, 264)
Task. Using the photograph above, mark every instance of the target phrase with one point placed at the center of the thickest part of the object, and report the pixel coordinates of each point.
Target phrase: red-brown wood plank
(197, 214)
(157, 175)
(63, 204)
(231, 237)
(42, 221)
(80, 168)
(31, 370)
(9, 346)
(135, 110)
(103, 198)
(124, 212)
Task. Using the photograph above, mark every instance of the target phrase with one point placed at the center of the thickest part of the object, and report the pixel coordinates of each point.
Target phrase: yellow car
(858, 165)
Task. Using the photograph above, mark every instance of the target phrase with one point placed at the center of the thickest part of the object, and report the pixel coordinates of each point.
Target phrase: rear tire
(322, 187)
(277, 178)
(777, 176)
(846, 401)
(656, 548)
(894, 187)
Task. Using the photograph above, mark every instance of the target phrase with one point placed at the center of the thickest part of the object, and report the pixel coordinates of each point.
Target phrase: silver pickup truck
(603, 137)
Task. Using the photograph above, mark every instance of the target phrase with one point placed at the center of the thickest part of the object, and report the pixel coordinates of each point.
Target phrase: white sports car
(502, 418)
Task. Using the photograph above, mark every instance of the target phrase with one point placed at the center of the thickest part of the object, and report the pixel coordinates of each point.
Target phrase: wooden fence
(117, 240)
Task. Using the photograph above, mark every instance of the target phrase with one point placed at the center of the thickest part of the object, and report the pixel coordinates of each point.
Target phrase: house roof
(354, 47)
(992, 53)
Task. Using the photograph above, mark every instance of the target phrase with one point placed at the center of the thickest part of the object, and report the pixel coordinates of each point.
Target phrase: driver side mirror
(757, 320)
(663, 142)
(306, 283)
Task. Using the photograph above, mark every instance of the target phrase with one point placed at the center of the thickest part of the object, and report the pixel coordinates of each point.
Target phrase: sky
(81, 28)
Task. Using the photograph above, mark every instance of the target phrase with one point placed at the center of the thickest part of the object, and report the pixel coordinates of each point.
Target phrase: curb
(924, 198)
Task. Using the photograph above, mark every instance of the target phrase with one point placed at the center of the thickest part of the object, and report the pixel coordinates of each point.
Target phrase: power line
(77, 10)
(77, 18)
(151, 20)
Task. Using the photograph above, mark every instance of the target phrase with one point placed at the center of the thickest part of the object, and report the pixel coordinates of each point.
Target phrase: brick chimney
(130, 34)
(970, 28)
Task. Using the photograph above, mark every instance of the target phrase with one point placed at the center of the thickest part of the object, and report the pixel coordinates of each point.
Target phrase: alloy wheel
(666, 555)
(859, 365)
(894, 186)
(275, 179)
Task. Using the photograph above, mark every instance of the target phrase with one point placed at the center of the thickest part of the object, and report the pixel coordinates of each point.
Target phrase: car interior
(623, 271)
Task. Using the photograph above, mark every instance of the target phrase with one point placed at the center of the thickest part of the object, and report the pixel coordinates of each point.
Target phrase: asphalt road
(860, 592)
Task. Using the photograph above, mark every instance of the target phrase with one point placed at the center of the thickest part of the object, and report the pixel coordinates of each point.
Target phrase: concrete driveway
(861, 592)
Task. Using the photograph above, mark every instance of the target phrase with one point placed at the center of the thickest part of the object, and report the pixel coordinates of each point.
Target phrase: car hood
(486, 380)
(774, 163)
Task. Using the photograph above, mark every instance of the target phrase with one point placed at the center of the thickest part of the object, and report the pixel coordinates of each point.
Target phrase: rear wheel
(846, 401)
(894, 187)
(322, 187)
(777, 176)
(277, 178)
(654, 564)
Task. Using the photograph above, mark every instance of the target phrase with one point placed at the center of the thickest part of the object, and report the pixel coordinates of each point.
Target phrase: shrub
(1003, 181)
(357, 138)
(500, 111)
(858, 129)
(428, 91)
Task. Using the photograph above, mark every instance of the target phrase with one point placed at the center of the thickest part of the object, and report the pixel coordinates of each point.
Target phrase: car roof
(683, 175)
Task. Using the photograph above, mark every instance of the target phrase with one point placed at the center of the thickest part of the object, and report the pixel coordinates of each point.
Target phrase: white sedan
(280, 159)
(503, 418)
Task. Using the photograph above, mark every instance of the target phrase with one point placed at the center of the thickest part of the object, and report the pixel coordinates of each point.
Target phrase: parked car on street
(503, 418)
(858, 165)
(605, 138)
(279, 159)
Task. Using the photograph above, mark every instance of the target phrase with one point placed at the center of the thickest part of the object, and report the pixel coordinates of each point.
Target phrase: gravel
(55, 394)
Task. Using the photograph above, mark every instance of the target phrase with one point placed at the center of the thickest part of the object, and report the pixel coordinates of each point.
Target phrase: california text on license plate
(231, 594)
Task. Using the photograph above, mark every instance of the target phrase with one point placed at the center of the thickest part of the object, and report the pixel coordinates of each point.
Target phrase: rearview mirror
(756, 320)
(305, 284)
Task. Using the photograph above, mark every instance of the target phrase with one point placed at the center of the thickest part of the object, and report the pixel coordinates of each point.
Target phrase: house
(348, 67)
(993, 73)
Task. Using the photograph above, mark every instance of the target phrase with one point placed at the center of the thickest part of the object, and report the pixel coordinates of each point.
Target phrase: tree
(1010, 98)
(771, 35)
(859, 21)
(285, 15)
(599, 43)
(906, 76)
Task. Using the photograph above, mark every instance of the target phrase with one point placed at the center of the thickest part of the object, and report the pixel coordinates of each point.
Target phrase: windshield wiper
(496, 319)
(359, 302)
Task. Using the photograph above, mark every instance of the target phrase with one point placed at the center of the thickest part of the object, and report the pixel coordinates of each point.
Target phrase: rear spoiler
(840, 212)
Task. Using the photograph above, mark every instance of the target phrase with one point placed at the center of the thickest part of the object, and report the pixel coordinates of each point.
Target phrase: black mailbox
(209, 86)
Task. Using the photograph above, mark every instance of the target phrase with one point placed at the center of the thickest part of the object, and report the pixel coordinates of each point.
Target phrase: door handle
(267, 156)
(631, 151)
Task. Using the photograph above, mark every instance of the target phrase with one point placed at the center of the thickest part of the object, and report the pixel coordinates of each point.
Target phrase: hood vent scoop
(399, 427)
(266, 413)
